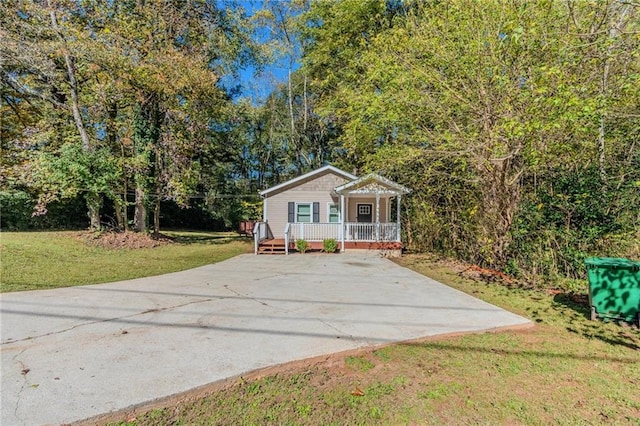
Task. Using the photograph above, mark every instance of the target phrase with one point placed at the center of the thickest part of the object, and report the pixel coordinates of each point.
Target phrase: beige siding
(310, 191)
(353, 213)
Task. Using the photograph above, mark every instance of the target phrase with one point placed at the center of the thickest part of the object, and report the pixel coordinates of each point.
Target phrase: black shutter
(292, 212)
(316, 212)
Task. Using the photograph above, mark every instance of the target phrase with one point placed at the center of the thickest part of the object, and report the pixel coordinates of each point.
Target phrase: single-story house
(358, 212)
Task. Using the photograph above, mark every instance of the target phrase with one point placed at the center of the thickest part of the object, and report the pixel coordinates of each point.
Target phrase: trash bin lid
(611, 262)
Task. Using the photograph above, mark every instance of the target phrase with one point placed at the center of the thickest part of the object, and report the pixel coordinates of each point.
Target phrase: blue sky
(258, 87)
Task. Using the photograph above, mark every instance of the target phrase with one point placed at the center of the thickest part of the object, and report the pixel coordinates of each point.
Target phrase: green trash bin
(614, 288)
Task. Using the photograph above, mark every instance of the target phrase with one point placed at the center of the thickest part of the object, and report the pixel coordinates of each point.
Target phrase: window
(303, 213)
(364, 209)
(333, 213)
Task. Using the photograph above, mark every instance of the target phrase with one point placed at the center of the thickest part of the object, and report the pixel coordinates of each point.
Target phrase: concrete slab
(74, 353)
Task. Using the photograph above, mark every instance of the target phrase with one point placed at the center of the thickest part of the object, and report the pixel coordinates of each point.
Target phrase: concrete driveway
(74, 353)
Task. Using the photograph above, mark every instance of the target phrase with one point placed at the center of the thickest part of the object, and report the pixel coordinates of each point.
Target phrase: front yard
(39, 260)
(566, 370)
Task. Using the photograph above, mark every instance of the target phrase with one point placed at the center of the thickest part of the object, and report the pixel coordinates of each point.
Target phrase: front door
(364, 213)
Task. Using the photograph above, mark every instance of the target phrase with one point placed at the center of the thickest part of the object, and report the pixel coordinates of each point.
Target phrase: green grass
(565, 370)
(41, 260)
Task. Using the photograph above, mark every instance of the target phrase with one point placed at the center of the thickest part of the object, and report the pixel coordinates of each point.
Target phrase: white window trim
(358, 205)
(310, 204)
(329, 204)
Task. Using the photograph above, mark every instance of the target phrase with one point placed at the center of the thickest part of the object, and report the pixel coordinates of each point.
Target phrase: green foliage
(570, 217)
(302, 245)
(147, 92)
(15, 210)
(251, 210)
(329, 245)
(17, 213)
(514, 124)
(357, 363)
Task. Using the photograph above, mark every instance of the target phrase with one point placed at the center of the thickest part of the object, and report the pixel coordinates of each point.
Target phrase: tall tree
(474, 105)
(140, 79)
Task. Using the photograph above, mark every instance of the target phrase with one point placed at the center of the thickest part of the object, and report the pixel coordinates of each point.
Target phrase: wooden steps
(275, 246)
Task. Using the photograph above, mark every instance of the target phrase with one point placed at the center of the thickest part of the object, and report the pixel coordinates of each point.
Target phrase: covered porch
(367, 215)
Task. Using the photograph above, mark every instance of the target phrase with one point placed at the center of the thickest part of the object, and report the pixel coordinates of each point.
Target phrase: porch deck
(278, 246)
(354, 236)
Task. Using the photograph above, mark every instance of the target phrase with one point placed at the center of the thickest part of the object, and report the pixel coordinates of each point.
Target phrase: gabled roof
(302, 178)
(372, 178)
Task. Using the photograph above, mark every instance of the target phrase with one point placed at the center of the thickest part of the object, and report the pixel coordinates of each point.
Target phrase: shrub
(302, 245)
(16, 207)
(330, 245)
(16, 213)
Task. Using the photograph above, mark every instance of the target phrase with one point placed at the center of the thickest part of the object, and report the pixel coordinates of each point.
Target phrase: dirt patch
(470, 271)
(123, 240)
(569, 298)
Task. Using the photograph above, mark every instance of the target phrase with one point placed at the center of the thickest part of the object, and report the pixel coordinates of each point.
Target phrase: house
(358, 212)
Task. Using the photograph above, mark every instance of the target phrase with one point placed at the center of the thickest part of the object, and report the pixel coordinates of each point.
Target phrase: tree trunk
(94, 202)
(73, 83)
(118, 208)
(140, 214)
(125, 213)
(156, 215)
(125, 204)
(500, 201)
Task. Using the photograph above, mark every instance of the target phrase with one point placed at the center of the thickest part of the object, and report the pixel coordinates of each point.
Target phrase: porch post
(264, 209)
(342, 230)
(398, 217)
(377, 215)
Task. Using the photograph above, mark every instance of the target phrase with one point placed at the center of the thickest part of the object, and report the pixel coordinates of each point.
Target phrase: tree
(476, 106)
(140, 79)
(41, 65)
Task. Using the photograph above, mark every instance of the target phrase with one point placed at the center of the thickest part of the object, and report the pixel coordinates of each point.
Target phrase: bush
(330, 245)
(16, 208)
(302, 245)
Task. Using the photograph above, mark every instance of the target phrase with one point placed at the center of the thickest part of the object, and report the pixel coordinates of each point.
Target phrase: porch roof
(372, 183)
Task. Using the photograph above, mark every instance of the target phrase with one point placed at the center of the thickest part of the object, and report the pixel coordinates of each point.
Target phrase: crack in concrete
(23, 367)
(342, 333)
(148, 311)
(253, 298)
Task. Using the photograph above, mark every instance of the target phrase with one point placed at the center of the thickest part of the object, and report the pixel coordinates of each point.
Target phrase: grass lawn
(39, 260)
(565, 370)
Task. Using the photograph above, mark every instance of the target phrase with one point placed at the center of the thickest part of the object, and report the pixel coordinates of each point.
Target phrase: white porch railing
(261, 232)
(357, 231)
(353, 231)
(314, 231)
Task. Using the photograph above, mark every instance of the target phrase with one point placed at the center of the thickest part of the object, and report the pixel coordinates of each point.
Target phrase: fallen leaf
(25, 371)
(357, 392)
